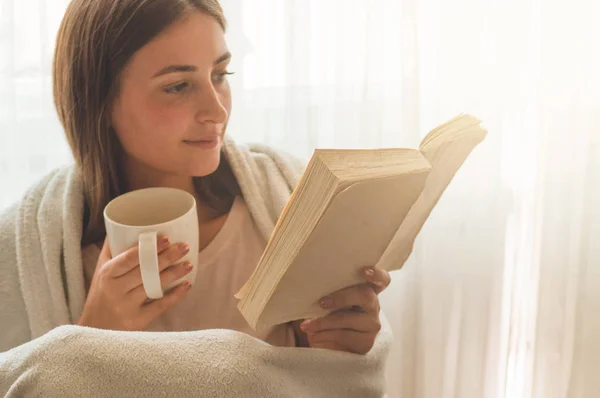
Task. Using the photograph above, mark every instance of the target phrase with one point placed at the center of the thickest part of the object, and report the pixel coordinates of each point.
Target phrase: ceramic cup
(139, 217)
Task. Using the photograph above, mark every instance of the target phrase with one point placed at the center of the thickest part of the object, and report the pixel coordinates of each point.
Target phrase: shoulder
(265, 161)
(283, 159)
(29, 203)
(31, 198)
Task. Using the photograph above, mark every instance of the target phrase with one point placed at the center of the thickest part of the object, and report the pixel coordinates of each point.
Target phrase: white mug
(138, 217)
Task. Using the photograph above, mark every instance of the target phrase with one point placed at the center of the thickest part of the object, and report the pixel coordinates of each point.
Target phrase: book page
(446, 157)
(448, 131)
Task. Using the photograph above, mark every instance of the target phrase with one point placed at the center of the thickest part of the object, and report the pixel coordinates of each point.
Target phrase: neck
(137, 181)
(143, 177)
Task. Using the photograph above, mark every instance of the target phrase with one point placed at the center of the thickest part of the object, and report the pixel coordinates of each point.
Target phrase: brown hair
(96, 40)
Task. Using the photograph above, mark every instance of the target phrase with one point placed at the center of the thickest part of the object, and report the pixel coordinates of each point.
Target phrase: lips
(204, 143)
(204, 139)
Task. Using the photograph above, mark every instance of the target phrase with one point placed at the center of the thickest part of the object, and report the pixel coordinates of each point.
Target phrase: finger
(379, 278)
(130, 259)
(167, 278)
(156, 308)
(104, 256)
(357, 321)
(174, 273)
(171, 255)
(105, 252)
(167, 256)
(343, 340)
(133, 280)
(362, 296)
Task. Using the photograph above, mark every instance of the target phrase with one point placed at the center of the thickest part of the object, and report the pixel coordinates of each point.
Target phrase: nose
(211, 108)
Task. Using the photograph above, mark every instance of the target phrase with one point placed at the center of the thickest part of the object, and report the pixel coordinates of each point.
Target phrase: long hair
(96, 40)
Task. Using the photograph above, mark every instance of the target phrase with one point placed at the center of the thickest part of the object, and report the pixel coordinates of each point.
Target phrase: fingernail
(163, 242)
(327, 302)
(187, 285)
(305, 325)
(183, 248)
(369, 272)
(187, 266)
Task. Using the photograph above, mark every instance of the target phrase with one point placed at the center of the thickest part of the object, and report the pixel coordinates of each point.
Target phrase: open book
(352, 209)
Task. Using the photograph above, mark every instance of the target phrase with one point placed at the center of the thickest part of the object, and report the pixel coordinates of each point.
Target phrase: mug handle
(148, 253)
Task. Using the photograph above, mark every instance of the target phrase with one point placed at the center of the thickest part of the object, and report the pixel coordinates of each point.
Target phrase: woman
(141, 90)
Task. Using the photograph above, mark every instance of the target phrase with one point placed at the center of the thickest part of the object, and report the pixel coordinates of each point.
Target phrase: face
(174, 102)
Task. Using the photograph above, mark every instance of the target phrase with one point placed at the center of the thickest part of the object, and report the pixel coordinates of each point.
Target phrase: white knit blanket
(72, 361)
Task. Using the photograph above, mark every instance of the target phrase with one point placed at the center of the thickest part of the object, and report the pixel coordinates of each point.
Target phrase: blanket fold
(42, 291)
(72, 361)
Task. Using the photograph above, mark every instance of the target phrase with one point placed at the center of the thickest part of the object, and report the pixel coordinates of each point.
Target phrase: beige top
(224, 266)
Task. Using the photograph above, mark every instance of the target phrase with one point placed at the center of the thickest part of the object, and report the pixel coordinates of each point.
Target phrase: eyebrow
(223, 58)
(191, 68)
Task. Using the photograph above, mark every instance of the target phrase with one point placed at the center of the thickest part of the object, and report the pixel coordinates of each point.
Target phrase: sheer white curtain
(502, 294)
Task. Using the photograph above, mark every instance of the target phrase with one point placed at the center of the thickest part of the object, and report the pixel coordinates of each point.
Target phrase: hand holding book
(353, 320)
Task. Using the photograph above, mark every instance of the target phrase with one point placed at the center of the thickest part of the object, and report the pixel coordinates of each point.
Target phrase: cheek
(146, 127)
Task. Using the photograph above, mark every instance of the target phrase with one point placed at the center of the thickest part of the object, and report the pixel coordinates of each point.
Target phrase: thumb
(104, 256)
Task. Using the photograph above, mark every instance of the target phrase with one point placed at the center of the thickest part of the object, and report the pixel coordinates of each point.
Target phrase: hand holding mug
(117, 299)
(136, 264)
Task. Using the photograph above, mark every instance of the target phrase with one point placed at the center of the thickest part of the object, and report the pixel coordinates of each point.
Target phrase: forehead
(198, 40)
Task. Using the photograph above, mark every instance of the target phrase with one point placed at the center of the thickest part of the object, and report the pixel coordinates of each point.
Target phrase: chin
(204, 165)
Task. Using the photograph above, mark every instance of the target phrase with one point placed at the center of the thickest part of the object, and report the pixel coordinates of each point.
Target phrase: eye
(221, 77)
(177, 88)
